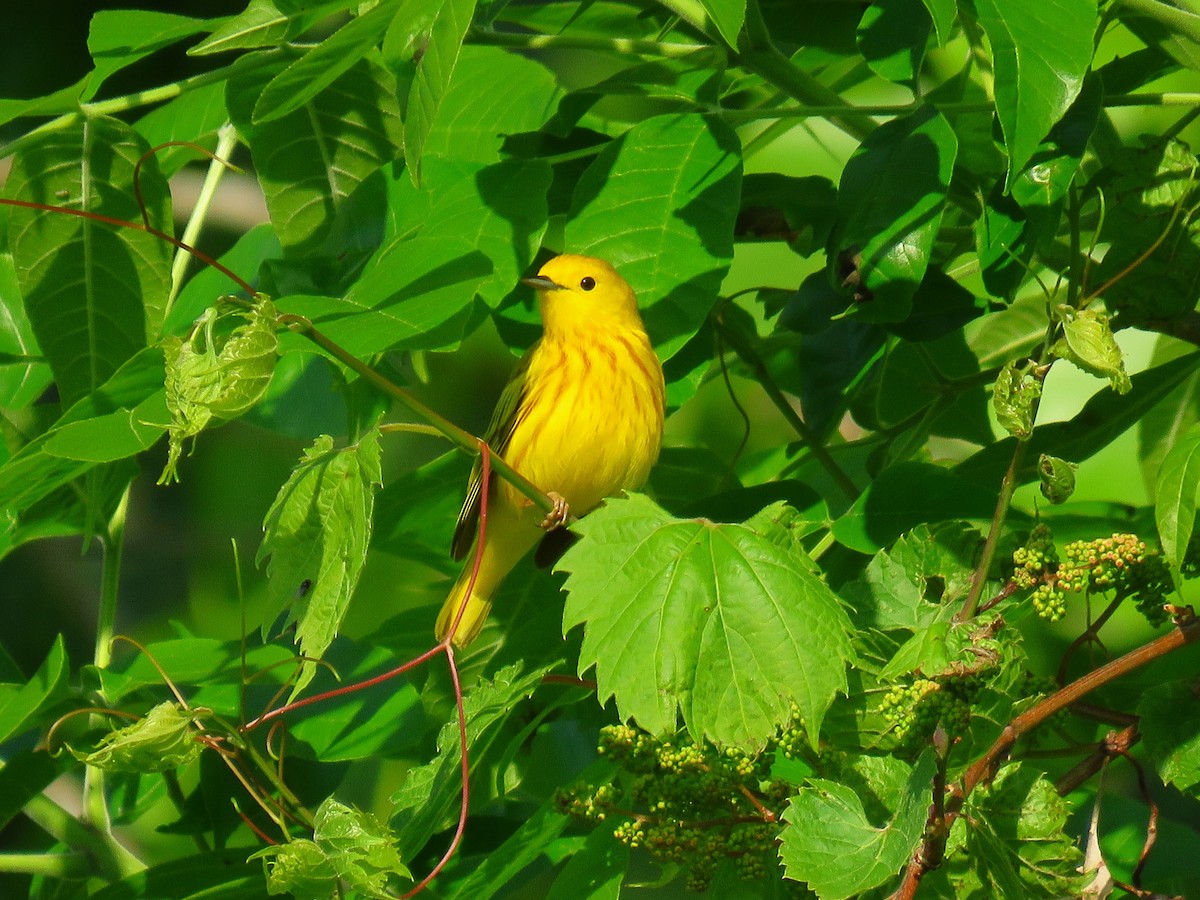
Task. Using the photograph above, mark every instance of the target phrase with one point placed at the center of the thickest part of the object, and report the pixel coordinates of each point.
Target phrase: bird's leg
(559, 514)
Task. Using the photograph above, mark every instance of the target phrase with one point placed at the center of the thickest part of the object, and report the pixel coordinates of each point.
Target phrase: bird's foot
(559, 514)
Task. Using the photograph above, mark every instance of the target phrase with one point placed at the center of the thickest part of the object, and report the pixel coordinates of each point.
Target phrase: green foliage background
(894, 256)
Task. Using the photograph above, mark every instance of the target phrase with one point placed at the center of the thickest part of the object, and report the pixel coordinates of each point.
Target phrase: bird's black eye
(587, 283)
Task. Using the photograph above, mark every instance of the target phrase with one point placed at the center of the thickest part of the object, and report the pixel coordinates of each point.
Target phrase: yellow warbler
(581, 417)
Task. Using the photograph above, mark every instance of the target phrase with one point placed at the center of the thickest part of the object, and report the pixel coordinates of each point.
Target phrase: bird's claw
(557, 516)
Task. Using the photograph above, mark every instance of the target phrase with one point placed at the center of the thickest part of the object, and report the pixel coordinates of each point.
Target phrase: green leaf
(424, 803)
(1175, 496)
(892, 38)
(413, 293)
(1147, 191)
(321, 66)
(103, 421)
(24, 775)
(474, 118)
(943, 13)
(596, 871)
(714, 621)
(1017, 842)
(499, 209)
(316, 534)
(23, 375)
(498, 868)
(162, 740)
(902, 497)
(830, 843)
(659, 203)
(49, 684)
(119, 38)
(1014, 396)
(347, 844)
(917, 579)
(217, 375)
(193, 116)
(890, 199)
(1089, 343)
(728, 16)
(95, 294)
(1041, 50)
(225, 875)
(432, 80)
(1170, 727)
(311, 160)
(1161, 428)
(260, 24)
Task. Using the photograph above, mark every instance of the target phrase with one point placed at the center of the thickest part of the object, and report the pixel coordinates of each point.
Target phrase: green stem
(832, 110)
(465, 440)
(227, 138)
(49, 865)
(95, 806)
(758, 53)
(110, 860)
(623, 46)
(127, 102)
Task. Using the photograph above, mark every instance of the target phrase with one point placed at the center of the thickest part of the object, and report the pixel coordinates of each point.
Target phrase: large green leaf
(830, 843)
(499, 209)
(316, 534)
(409, 291)
(1161, 427)
(1041, 50)
(890, 198)
(892, 38)
(474, 118)
(95, 294)
(728, 16)
(717, 622)
(659, 204)
(434, 73)
(310, 160)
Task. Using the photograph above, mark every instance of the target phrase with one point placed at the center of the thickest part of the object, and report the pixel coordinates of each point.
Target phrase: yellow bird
(581, 417)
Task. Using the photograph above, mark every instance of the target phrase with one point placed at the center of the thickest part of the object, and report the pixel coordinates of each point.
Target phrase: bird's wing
(510, 410)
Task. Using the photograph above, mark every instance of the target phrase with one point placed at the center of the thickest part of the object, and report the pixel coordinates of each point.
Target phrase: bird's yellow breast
(593, 418)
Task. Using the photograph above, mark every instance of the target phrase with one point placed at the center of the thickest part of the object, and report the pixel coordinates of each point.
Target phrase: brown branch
(984, 769)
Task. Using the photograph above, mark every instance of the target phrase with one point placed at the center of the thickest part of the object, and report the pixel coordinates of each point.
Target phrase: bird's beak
(541, 283)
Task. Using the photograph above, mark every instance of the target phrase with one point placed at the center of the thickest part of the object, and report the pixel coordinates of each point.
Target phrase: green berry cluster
(914, 710)
(688, 803)
(1120, 563)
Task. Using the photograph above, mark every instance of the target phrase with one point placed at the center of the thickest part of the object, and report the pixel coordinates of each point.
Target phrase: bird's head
(583, 292)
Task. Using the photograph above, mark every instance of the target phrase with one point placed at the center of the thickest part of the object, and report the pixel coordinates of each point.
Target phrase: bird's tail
(478, 605)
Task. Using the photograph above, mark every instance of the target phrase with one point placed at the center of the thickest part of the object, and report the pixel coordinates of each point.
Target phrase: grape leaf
(830, 843)
(715, 621)
(316, 534)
